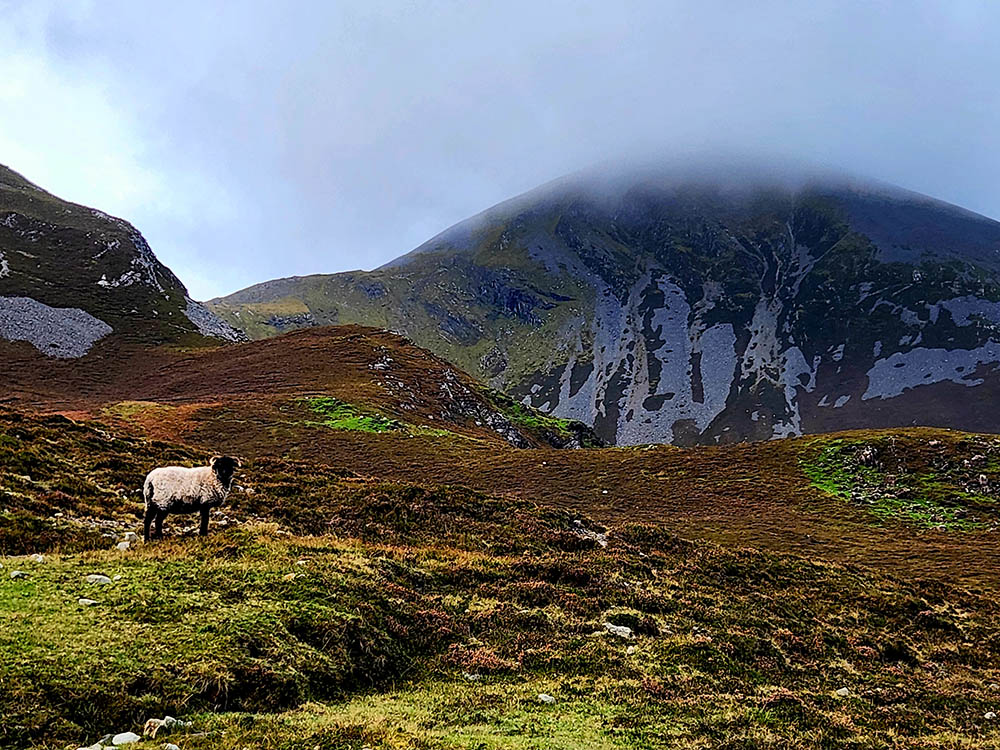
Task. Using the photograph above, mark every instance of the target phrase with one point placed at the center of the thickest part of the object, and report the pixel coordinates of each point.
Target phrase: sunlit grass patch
(929, 484)
(340, 415)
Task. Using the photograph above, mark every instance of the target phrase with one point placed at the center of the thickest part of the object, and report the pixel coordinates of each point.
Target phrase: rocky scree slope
(72, 276)
(678, 307)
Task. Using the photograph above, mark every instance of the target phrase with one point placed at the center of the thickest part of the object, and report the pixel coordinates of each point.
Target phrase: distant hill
(694, 305)
(73, 278)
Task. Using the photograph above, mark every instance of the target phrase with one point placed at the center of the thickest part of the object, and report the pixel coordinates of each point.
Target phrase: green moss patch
(944, 484)
(340, 415)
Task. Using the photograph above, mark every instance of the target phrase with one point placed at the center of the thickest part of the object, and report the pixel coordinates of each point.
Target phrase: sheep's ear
(213, 459)
(239, 463)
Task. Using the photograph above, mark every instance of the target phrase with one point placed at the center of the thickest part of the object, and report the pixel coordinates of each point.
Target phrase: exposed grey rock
(622, 631)
(63, 332)
(123, 546)
(580, 530)
(98, 578)
(84, 602)
(210, 324)
(842, 692)
(125, 738)
(16, 574)
(37, 558)
(546, 698)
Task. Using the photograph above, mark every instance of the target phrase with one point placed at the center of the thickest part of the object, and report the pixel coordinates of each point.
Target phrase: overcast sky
(251, 140)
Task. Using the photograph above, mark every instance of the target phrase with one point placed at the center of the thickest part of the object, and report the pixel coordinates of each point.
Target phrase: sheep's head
(224, 468)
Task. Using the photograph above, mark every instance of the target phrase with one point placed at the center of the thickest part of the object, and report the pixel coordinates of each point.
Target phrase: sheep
(177, 489)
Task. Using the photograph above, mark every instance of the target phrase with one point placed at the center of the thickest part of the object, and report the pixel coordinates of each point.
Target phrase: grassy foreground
(336, 611)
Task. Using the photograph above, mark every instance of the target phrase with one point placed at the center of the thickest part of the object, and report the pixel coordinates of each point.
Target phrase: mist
(256, 140)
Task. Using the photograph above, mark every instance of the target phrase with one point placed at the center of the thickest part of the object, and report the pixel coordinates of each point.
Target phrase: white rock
(98, 578)
(84, 602)
(546, 698)
(38, 558)
(989, 715)
(170, 746)
(131, 536)
(472, 677)
(843, 692)
(15, 574)
(622, 631)
(125, 738)
(116, 578)
(123, 546)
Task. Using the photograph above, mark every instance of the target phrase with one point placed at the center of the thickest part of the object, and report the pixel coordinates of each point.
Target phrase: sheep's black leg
(150, 514)
(158, 533)
(204, 521)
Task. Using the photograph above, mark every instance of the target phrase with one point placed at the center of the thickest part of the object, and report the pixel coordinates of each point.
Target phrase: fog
(254, 140)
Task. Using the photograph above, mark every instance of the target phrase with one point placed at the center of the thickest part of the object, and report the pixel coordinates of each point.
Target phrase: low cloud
(254, 140)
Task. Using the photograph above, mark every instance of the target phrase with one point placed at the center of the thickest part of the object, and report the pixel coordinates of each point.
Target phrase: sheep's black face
(224, 468)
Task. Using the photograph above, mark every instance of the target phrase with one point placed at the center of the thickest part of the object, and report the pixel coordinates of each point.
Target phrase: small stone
(84, 602)
(604, 492)
(546, 698)
(123, 546)
(630, 650)
(471, 677)
(288, 577)
(131, 536)
(16, 574)
(57, 515)
(842, 692)
(170, 746)
(302, 562)
(37, 558)
(993, 686)
(116, 578)
(98, 578)
(622, 631)
(125, 738)
(989, 715)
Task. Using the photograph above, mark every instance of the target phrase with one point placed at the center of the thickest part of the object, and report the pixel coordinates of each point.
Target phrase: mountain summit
(72, 276)
(691, 307)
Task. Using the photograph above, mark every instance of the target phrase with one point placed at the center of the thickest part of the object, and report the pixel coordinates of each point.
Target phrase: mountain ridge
(73, 278)
(692, 310)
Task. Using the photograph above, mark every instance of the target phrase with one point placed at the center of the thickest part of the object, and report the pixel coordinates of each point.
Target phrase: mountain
(73, 278)
(694, 304)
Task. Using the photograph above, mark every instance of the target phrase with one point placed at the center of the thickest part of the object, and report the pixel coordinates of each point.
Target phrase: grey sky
(249, 140)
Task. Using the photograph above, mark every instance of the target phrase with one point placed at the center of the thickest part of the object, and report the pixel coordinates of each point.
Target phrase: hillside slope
(360, 381)
(335, 611)
(73, 278)
(675, 306)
